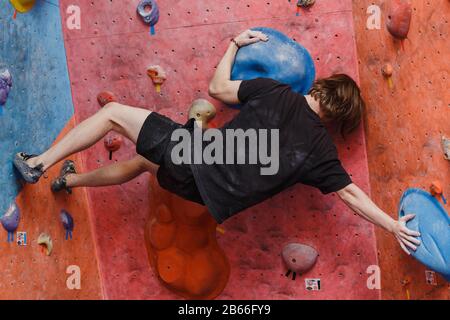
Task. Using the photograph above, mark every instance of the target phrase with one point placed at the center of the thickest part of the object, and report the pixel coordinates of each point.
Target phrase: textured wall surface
(39, 107)
(112, 50)
(27, 272)
(404, 126)
(40, 103)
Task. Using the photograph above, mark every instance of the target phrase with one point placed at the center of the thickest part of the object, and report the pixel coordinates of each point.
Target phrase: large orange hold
(399, 18)
(181, 242)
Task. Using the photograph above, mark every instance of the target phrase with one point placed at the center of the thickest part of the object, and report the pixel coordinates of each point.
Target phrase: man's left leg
(115, 174)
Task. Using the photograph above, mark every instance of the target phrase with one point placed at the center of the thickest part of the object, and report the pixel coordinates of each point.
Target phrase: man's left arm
(222, 87)
(360, 202)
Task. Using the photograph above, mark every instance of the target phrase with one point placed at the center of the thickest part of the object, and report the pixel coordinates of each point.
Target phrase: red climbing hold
(106, 97)
(113, 143)
(399, 18)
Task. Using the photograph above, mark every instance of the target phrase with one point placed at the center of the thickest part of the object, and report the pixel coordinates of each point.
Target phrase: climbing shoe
(60, 183)
(106, 97)
(29, 174)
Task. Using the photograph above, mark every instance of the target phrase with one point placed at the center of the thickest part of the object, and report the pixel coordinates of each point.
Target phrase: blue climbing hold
(433, 222)
(10, 220)
(149, 12)
(67, 222)
(280, 58)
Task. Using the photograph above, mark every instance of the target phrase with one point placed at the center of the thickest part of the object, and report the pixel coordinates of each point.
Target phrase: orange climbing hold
(437, 191)
(158, 76)
(23, 6)
(182, 247)
(387, 71)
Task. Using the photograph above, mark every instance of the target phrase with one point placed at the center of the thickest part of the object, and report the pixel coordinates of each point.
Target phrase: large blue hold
(433, 222)
(280, 58)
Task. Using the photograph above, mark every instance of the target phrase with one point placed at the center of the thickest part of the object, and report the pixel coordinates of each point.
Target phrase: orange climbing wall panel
(404, 126)
(111, 52)
(27, 273)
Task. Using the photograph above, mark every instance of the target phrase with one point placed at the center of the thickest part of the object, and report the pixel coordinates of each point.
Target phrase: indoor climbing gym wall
(407, 116)
(136, 240)
(111, 51)
(38, 109)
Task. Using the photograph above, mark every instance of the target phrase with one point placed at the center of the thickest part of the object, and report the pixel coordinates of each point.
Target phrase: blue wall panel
(40, 102)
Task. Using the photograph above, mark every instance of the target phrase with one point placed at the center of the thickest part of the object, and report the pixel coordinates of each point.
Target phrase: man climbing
(306, 152)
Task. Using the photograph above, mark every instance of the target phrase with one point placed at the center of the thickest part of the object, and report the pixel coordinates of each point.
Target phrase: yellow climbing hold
(45, 240)
(221, 230)
(23, 6)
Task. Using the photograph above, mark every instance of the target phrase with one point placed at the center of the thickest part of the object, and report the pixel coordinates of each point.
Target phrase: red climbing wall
(112, 50)
(404, 126)
(27, 273)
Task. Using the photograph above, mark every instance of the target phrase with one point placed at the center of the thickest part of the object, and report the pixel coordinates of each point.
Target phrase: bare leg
(114, 174)
(114, 116)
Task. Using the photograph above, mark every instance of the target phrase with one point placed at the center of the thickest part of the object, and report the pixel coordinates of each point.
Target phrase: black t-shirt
(306, 152)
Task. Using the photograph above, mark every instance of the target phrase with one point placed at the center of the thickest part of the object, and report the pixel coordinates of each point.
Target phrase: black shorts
(155, 145)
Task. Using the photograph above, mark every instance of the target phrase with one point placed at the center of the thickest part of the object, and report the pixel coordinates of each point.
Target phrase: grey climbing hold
(446, 147)
(5, 85)
(298, 258)
(151, 16)
(305, 3)
(202, 111)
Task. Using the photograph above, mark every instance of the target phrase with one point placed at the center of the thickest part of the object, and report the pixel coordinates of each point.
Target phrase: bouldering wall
(58, 72)
(404, 126)
(38, 109)
(111, 52)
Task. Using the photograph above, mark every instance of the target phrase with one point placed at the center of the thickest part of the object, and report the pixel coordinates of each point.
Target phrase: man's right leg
(123, 119)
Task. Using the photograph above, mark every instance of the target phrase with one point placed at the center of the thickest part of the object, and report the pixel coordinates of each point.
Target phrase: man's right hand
(249, 37)
(406, 238)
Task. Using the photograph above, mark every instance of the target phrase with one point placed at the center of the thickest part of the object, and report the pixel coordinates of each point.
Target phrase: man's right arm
(360, 202)
(221, 86)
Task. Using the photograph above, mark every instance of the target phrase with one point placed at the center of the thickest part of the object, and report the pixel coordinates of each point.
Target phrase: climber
(306, 153)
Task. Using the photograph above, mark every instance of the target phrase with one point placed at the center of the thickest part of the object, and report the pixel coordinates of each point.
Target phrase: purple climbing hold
(5, 85)
(67, 222)
(298, 258)
(10, 220)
